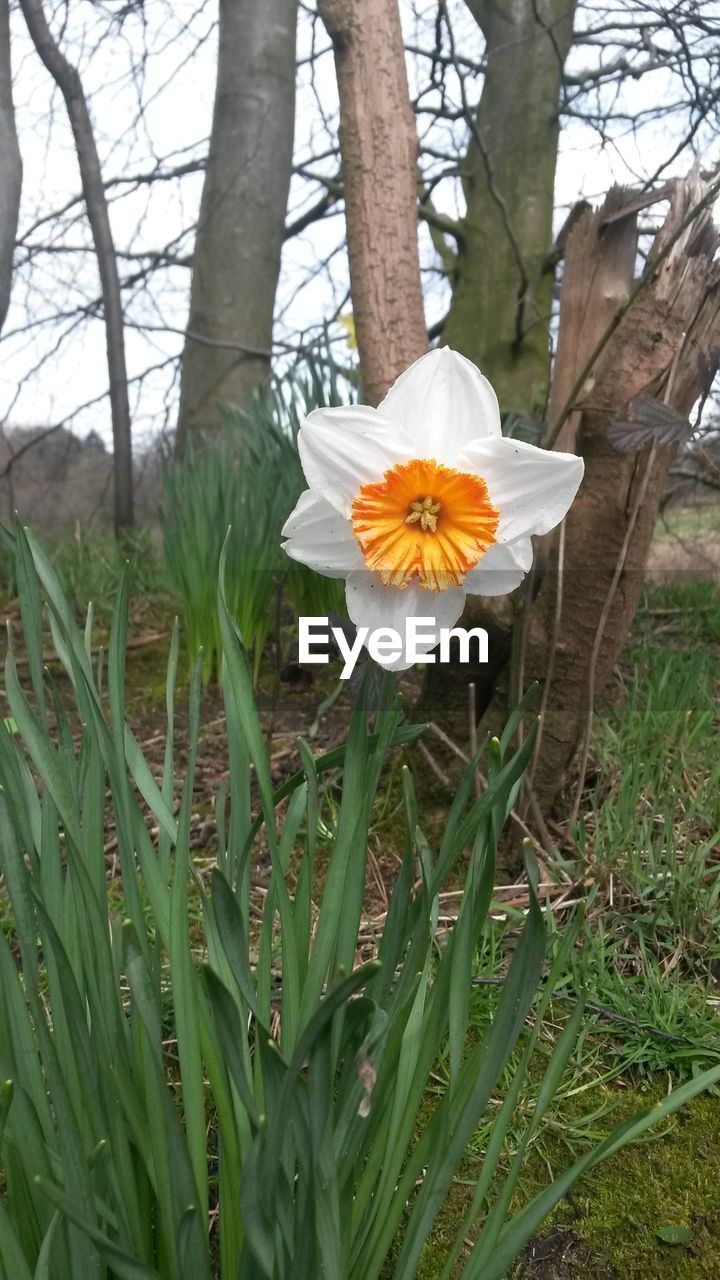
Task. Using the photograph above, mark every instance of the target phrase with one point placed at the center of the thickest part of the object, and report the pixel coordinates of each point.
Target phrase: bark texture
(379, 149)
(500, 310)
(236, 262)
(10, 165)
(660, 347)
(68, 81)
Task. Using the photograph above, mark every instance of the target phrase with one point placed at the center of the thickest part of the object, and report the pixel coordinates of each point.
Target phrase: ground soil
(561, 1255)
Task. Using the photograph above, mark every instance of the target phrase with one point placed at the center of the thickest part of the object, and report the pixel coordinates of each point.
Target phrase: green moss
(610, 1218)
(607, 1225)
(435, 1254)
(671, 1180)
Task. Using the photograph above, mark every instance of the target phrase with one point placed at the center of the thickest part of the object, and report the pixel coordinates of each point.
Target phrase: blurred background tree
(239, 235)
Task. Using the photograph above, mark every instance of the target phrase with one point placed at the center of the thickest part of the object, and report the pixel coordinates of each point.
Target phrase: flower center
(424, 523)
(425, 512)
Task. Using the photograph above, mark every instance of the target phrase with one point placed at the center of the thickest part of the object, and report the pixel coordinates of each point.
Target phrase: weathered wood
(658, 348)
(597, 279)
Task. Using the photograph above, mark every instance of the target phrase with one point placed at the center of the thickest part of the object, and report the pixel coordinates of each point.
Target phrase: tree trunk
(661, 347)
(500, 310)
(379, 149)
(596, 284)
(236, 262)
(10, 166)
(68, 81)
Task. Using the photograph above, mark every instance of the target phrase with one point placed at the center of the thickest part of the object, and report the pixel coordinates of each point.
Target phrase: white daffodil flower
(422, 501)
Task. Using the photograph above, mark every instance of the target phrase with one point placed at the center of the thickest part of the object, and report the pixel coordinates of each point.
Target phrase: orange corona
(424, 523)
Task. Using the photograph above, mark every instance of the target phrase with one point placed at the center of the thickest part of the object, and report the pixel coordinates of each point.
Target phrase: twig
(554, 639)
(439, 733)
(439, 773)
(600, 633)
(137, 642)
(472, 712)
(550, 849)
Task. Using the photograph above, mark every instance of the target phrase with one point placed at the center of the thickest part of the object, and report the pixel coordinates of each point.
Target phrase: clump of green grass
(652, 834)
(91, 567)
(648, 851)
(236, 491)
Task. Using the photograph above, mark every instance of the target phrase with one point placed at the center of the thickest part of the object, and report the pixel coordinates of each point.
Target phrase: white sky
(47, 370)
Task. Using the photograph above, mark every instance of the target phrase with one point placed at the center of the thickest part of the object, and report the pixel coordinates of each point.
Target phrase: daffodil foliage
(240, 1096)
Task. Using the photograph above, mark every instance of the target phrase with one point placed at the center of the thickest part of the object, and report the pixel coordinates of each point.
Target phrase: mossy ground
(671, 1179)
(607, 1226)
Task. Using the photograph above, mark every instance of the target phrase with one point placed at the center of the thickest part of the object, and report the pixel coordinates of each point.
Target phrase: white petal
(531, 488)
(341, 449)
(501, 569)
(317, 535)
(443, 402)
(371, 604)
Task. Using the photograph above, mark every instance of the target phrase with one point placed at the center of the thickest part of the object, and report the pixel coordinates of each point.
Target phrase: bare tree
(10, 165)
(379, 155)
(68, 81)
(153, 182)
(236, 260)
(619, 337)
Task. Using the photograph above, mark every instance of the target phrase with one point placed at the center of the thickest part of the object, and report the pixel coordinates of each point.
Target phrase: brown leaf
(368, 1077)
(645, 419)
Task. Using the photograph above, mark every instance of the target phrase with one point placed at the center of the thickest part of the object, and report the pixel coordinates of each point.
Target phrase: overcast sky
(50, 361)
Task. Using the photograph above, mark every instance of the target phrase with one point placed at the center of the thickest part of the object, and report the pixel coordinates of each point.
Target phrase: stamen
(424, 511)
